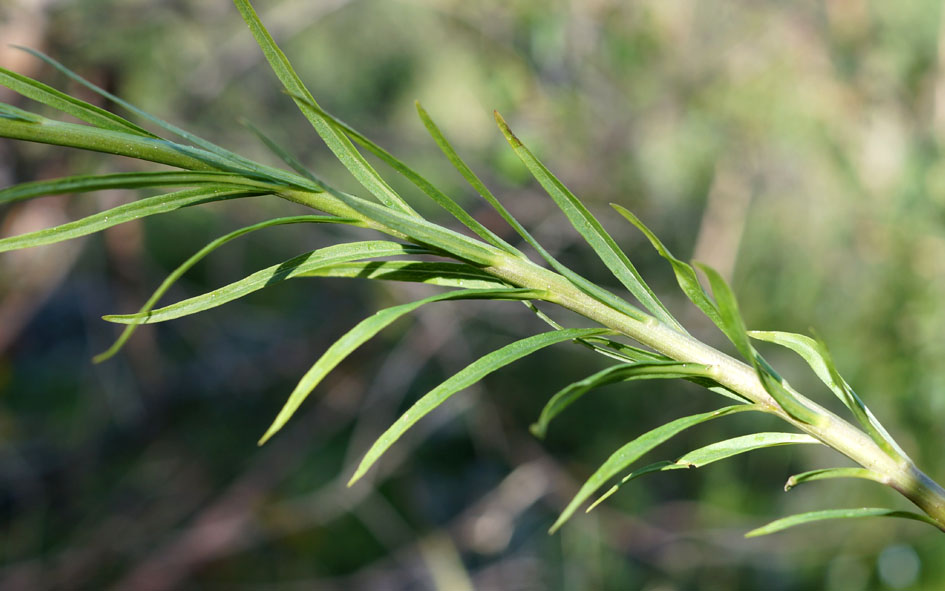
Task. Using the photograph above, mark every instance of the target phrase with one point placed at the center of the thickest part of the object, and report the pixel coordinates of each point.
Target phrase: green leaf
(124, 213)
(713, 453)
(420, 230)
(336, 141)
(458, 275)
(817, 356)
(617, 373)
(79, 109)
(581, 283)
(662, 466)
(462, 380)
(365, 330)
(827, 473)
(298, 266)
(591, 230)
(198, 256)
(281, 152)
(209, 153)
(418, 180)
(738, 445)
(685, 274)
(802, 518)
(632, 451)
(126, 180)
(734, 328)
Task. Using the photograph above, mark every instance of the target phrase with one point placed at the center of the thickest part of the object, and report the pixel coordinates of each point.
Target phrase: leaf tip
(506, 130)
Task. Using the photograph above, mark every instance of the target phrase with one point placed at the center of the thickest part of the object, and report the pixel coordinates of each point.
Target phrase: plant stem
(898, 473)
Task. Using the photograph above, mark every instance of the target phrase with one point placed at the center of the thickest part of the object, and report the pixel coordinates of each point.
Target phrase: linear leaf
(198, 256)
(124, 213)
(11, 112)
(438, 196)
(458, 275)
(590, 229)
(366, 329)
(734, 328)
(817, 356)
(336, 141)
(462, 380)
(616, 373)
(738, 445)
(583, 284)
(802, 518)
(419, 229)
(210, 153)
(685, 274)
(827, 473)
(280, 151)
(632, 451)
(125, 180)
(79, 109)
(713, 453)
(297, 266)
(662, 466)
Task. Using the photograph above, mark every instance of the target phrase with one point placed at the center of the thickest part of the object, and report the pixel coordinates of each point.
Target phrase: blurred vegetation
(794, 146)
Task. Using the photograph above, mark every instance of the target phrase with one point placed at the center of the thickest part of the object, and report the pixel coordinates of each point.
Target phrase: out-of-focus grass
(795, 146)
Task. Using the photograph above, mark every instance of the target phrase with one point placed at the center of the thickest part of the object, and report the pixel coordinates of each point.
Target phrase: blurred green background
(794, 146)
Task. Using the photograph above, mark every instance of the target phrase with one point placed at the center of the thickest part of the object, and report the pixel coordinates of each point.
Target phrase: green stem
(898, 473)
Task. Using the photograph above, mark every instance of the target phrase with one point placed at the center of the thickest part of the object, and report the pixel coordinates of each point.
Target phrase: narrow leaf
(662, 466)
(712, 453)
(458, 275)
(418, 180)
(802, 518)
(685, 274)
(581, 283)
(210, 153)
(197, 257)
(336, 141)
(827, 473)
(420, 230)
(280, 151)
(124, 213)
(462, 380)
(739, 445)
(734, 328)
(366, 329)
(126, 180)
(617, 373)
(298, 266)
(817, 356)
(632, 451)
(591, 230)
(79, 109)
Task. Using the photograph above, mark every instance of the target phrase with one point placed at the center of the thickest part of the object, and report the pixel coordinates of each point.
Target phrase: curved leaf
(826, 473)
(632, 451)
(458, 275)
(124, 213)
(418, 180)
(685, 274)
(617, 373)
(802, 518)
(815, 353)
(208, 153)
(336, 141)
(297, 266)
(734, 328)
(588, 287)
(462, 380)
(79, 109)
(198, 256)
(713, 453)
(126, 180)
(591, 230)
(366, 329)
